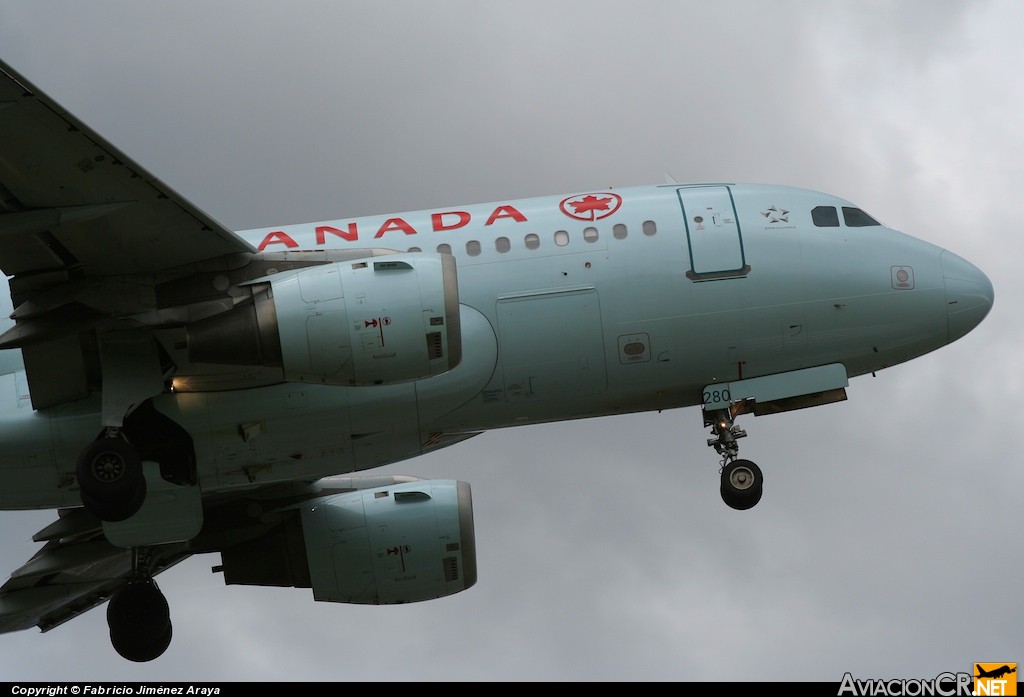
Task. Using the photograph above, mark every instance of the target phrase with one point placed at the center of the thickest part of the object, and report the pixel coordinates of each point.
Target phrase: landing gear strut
(138, 615)
(741, 479)
(134, 368)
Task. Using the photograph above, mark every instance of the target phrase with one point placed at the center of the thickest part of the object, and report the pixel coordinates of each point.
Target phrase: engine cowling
(396, 544)
(378, 540)
(366, 322)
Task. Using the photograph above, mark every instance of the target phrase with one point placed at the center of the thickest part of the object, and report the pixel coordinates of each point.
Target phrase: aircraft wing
(76, 570)
(85, 234)
(72, 202)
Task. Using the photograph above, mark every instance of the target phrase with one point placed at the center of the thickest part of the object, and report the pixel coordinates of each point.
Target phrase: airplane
(174, 387)
(994, 673)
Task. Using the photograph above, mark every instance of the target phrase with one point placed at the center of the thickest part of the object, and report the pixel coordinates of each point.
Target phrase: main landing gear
(110, 478)
(113, 487)
(111, 481)
(741, 479)
(109, 470)
(138, 615)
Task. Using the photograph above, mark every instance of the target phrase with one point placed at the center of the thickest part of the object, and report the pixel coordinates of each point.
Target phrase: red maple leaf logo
(591, 206)
(590, 203)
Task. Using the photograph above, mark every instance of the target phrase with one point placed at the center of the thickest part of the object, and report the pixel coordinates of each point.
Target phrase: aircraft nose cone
(969, 294)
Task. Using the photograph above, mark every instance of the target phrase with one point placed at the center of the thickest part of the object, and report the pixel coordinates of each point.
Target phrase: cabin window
(590, 234)
(531, 241)
(650, 228)
(619, 231)
(473, 248)
(415, 249)
(502, 245)
(561, 238)
(444, 249)
(855, 217)
(825, 216)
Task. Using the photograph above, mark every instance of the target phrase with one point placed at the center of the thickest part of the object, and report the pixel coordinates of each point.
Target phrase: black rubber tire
(742, 484)
(137, 613)
(108, 467)
(144, 650)
(115, 510)
(110, 479)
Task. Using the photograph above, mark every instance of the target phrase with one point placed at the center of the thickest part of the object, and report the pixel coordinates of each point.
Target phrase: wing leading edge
(69, 200)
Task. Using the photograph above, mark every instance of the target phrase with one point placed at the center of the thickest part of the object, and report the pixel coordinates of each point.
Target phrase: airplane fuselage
(598, 303)
(179, 388)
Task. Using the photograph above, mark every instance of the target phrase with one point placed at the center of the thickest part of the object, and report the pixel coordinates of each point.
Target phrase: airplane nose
(969, 294)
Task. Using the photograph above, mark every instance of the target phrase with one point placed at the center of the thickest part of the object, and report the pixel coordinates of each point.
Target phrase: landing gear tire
(145, 650)
(741, 484)
(114, 510)
(110, 479)
(139, 620)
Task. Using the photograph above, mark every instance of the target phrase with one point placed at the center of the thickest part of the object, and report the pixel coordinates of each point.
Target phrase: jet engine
(399, 543)
(365, 322)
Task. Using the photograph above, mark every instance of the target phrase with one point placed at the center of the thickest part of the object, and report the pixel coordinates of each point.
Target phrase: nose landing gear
(741, 479)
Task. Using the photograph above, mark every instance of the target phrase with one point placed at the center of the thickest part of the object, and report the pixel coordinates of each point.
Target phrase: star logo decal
(775, 214)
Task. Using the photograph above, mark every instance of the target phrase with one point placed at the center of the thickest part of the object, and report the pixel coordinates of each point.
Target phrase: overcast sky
(888, 541)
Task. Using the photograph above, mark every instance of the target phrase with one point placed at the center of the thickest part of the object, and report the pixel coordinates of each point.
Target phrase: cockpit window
(855, 217)
(825, 216)
(828, 216)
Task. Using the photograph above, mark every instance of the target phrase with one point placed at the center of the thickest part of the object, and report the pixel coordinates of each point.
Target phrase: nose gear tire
(742, 484)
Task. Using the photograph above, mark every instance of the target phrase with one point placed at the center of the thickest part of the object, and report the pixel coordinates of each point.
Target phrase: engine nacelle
(394, 544)
(366, 322)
